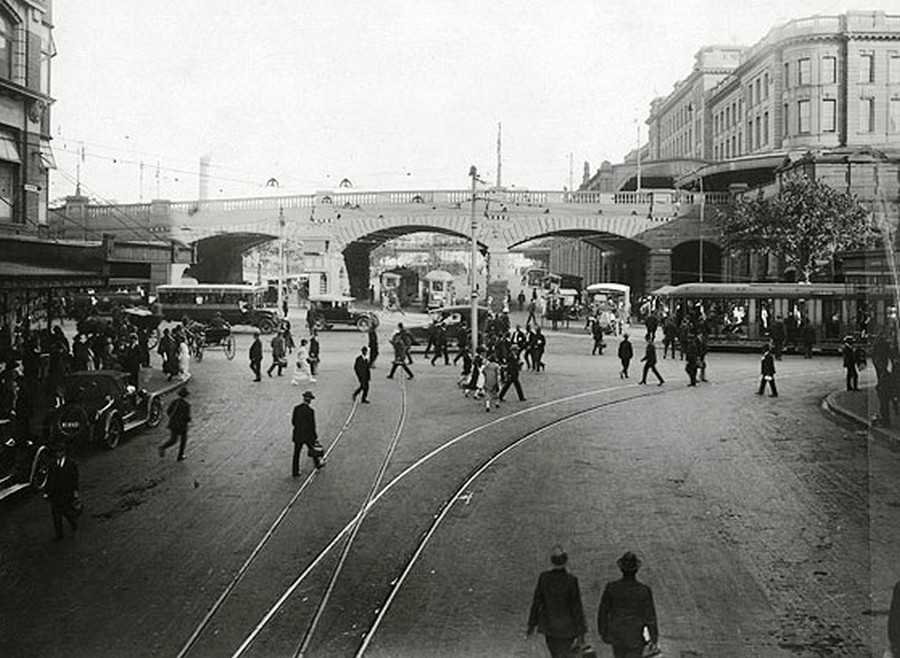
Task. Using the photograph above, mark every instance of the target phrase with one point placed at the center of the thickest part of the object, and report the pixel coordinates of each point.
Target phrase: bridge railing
(454, 198)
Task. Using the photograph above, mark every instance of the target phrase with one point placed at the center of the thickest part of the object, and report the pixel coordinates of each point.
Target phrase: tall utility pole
(700, 229)
(473, 172)
(638, 155)
(499, 157)
(281, 260)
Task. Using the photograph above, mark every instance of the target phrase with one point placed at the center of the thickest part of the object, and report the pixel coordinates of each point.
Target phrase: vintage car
(331, 310)
(101, 406)
(454, 319)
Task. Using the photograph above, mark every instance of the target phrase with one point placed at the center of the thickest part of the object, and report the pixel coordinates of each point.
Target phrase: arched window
(6, 47)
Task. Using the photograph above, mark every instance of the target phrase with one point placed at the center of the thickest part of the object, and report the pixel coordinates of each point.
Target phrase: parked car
(101, 406)
(331, 310)
(454, 318)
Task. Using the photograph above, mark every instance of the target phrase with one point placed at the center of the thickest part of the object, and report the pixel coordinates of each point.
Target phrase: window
(758, 132)
(765, 138)
(7, 192)
(829, 106)
(866, 115)
(766, 86)
(739, 145)
(750, 95)
(894, 126)
(803, 72)
(867, 67)
(787, 75)
(728, 117)
(894, 69)
(6, 47)
(758, 90)
(829, 70)
(749, 135)
(786, 121)
(803, 117)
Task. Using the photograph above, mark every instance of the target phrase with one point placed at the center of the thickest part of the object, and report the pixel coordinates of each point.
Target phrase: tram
(742, 314)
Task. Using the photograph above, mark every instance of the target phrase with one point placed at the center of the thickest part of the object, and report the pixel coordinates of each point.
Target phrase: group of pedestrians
(282, 348)
(626, 616)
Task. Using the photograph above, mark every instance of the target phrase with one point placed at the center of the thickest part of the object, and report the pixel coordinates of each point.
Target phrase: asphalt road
(766, 526)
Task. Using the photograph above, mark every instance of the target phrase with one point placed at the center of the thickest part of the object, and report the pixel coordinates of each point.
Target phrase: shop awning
(47, 155)
(26, 276)
(9, 152)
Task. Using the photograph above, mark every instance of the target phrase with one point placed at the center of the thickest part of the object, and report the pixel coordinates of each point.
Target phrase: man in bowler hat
(626, 608)
(179, 412)
(304, 422)
(362, 367)
(556, 609)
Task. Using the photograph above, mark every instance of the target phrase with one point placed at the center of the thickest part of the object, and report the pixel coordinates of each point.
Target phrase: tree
(805, 223)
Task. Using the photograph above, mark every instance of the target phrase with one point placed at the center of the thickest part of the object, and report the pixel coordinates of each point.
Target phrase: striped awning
(47, 158)
(9, 152)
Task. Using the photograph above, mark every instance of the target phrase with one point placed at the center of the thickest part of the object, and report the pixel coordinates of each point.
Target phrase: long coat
(62, 482)
(556, 608)
(626, 607)
(304, 422)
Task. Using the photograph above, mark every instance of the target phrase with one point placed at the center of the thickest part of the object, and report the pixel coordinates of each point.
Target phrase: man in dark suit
(304, 422)
(556, 609)
(62, 489)
(179, 412)
(767, 372)
(362, 368)
(626, 608)
(650, 363)
(256, 357)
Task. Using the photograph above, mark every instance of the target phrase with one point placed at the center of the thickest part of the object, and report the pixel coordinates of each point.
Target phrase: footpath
(861, 407)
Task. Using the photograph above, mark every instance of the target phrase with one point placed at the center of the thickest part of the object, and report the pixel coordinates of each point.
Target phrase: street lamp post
(473, 172)
(281, 261)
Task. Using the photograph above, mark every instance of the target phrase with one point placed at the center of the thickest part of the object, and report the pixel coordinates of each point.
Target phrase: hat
(308, 395)
(629, 562)
(183, 392)
(559, 556)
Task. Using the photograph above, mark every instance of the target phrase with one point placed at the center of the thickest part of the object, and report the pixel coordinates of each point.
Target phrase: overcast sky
(390, 94)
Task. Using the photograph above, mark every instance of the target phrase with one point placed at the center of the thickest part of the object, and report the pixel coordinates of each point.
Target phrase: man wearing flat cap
(556, 609)
(626, 608)
(304, 422)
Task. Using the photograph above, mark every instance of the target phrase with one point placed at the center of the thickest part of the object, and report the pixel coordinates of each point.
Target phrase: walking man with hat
(62, 490)
(362, 368)
(179, 412)
(304, 422)
(626, 609)
(556, 609)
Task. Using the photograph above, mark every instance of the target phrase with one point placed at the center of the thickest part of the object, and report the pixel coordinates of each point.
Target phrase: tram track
(346, 537)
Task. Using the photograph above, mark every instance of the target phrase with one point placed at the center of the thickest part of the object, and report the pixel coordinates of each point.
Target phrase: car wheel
(154, 413)
(40, 468)
(362, 324)
(112, 433)
(266, 326)
(230, 347)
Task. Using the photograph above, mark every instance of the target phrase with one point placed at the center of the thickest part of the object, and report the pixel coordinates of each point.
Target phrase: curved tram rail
(351, 529)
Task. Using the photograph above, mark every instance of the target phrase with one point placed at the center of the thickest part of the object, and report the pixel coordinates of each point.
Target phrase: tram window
(198, 300)
(831, 318)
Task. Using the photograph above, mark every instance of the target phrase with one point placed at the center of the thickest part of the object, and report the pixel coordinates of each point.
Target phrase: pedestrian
(179, 412)
(373, 345)
(849, 355)
(626, 609)
(767, 372)
(304, 434)
(313, 357)
(256, 357)
(597, 333)
(808, 336)
(702, 349)
(520, 299)
(692, 359)
(301, 364)
(532, 308)
(670, 331)
(440, 346)
(362, 368)
(894, 622)
(538, 346)
(626, 353)
(279, 356)
(287, 335)
(310, 319)
(401, 353)
(491, 386)
(649, 360)
(652, 322)
(512, 367)
(184, 360)
(62, 490)
(779, 335)
(556, 609)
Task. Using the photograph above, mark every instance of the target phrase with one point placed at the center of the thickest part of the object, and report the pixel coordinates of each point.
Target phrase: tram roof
(758, 290)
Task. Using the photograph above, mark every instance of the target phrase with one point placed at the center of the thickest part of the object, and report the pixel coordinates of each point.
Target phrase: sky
(389, 94)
